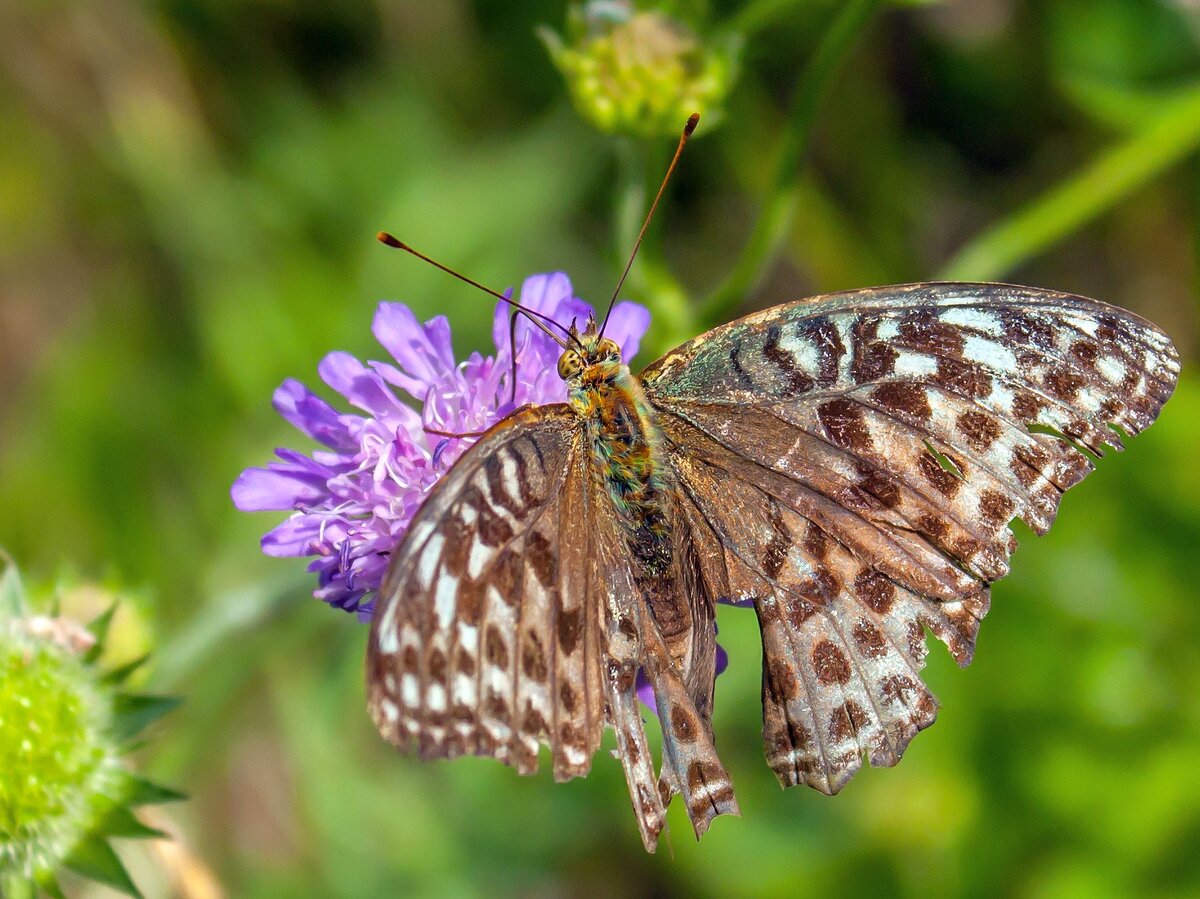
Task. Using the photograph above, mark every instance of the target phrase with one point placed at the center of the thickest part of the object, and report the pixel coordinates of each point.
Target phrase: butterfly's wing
(510, 616)
(857, 460)
(486, 638)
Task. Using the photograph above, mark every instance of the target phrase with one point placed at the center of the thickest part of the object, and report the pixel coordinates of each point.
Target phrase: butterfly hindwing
(859, 458)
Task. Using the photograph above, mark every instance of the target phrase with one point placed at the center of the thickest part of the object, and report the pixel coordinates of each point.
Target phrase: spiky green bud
(641, 73)
(65, 723)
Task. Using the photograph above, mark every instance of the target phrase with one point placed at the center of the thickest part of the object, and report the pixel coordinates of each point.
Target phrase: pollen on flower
(352, 499)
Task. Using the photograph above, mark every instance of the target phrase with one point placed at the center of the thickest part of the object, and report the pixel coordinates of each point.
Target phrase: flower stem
(774, 221)
(1164, 140)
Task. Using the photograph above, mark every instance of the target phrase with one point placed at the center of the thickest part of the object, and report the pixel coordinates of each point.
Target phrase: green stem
(774, 221)
(1166, 139)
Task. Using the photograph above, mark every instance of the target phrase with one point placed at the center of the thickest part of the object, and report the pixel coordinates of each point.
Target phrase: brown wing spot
(437, 666)
(845, 424)
(1026, 329)
(896, 688)
(995, 507)
(821, 587)
(683, 725)
(497, 707)
(907, 399)
(830, 663)
(495, 647)
(568, 734)
(1064, 383)
(533, 723)
(847, 720)
(411, 660)
(566, 695)
(491, 527)
(872, 362)
(816, 541)
(870, 641)
(540, 557)
(1086, 352)
(776, 552)
(875, 590)
(456, 543)
(932, 525)
(570, 623)
(782, 679)
(879, 484)
(980, 429)
(799, 611)
(470, 603)
(926, 332)
(533, 658)
(944, 482)
(1027, 406)
(963, 377)
(466, 663)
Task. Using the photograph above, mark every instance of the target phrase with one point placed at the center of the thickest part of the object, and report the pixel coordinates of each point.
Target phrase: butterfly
(848, 464)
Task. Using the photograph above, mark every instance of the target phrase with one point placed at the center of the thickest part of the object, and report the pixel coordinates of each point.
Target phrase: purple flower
(352, 500)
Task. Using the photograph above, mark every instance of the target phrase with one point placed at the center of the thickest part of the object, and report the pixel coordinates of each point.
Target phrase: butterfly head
(591, 360)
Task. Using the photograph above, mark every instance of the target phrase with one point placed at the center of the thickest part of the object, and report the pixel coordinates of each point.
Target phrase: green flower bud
(641, 73)
(57, 752)
(65, 723)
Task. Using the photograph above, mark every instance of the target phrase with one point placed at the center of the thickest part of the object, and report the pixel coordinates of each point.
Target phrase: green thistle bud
(641, 73)
(64, 725)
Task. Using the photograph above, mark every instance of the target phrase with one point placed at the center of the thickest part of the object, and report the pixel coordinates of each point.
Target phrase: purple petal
(627, 326)
(312, 415)
(365, 389)
(295, 536)
(423, 351)
(276, 488)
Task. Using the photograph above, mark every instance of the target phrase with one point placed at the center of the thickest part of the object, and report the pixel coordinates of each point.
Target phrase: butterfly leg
(690, 763)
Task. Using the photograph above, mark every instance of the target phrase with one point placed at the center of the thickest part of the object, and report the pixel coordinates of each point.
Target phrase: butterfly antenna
(692, 121)
(542, 321)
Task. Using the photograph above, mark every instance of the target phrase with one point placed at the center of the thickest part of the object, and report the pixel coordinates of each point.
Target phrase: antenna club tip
(692, 122)
(387, 239)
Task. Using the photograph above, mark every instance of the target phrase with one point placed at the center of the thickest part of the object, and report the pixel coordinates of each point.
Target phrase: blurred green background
(189, 191)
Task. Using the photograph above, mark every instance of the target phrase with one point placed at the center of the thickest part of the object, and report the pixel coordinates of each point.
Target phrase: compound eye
(569, 364)
(607, 348)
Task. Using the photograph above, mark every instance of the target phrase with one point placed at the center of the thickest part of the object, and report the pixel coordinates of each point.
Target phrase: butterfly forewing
(484, 643)
(860, 457)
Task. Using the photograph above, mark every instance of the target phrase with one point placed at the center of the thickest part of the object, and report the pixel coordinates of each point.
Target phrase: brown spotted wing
(849, 464)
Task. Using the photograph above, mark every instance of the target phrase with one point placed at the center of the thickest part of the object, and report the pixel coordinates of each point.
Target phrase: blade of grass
(774, 221)
(1162, 142)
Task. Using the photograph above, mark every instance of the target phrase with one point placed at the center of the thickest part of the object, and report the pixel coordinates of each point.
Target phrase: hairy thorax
(627, 459)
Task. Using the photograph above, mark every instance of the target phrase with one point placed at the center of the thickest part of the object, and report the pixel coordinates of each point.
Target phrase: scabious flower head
(352, 500)
(65, 725)
(638, 70)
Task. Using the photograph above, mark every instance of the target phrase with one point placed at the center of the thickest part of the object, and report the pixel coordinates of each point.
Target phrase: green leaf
(139, 791)
(94, 858)
(99, 628)
(118, 676)
(119, 821)
(133, 712)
